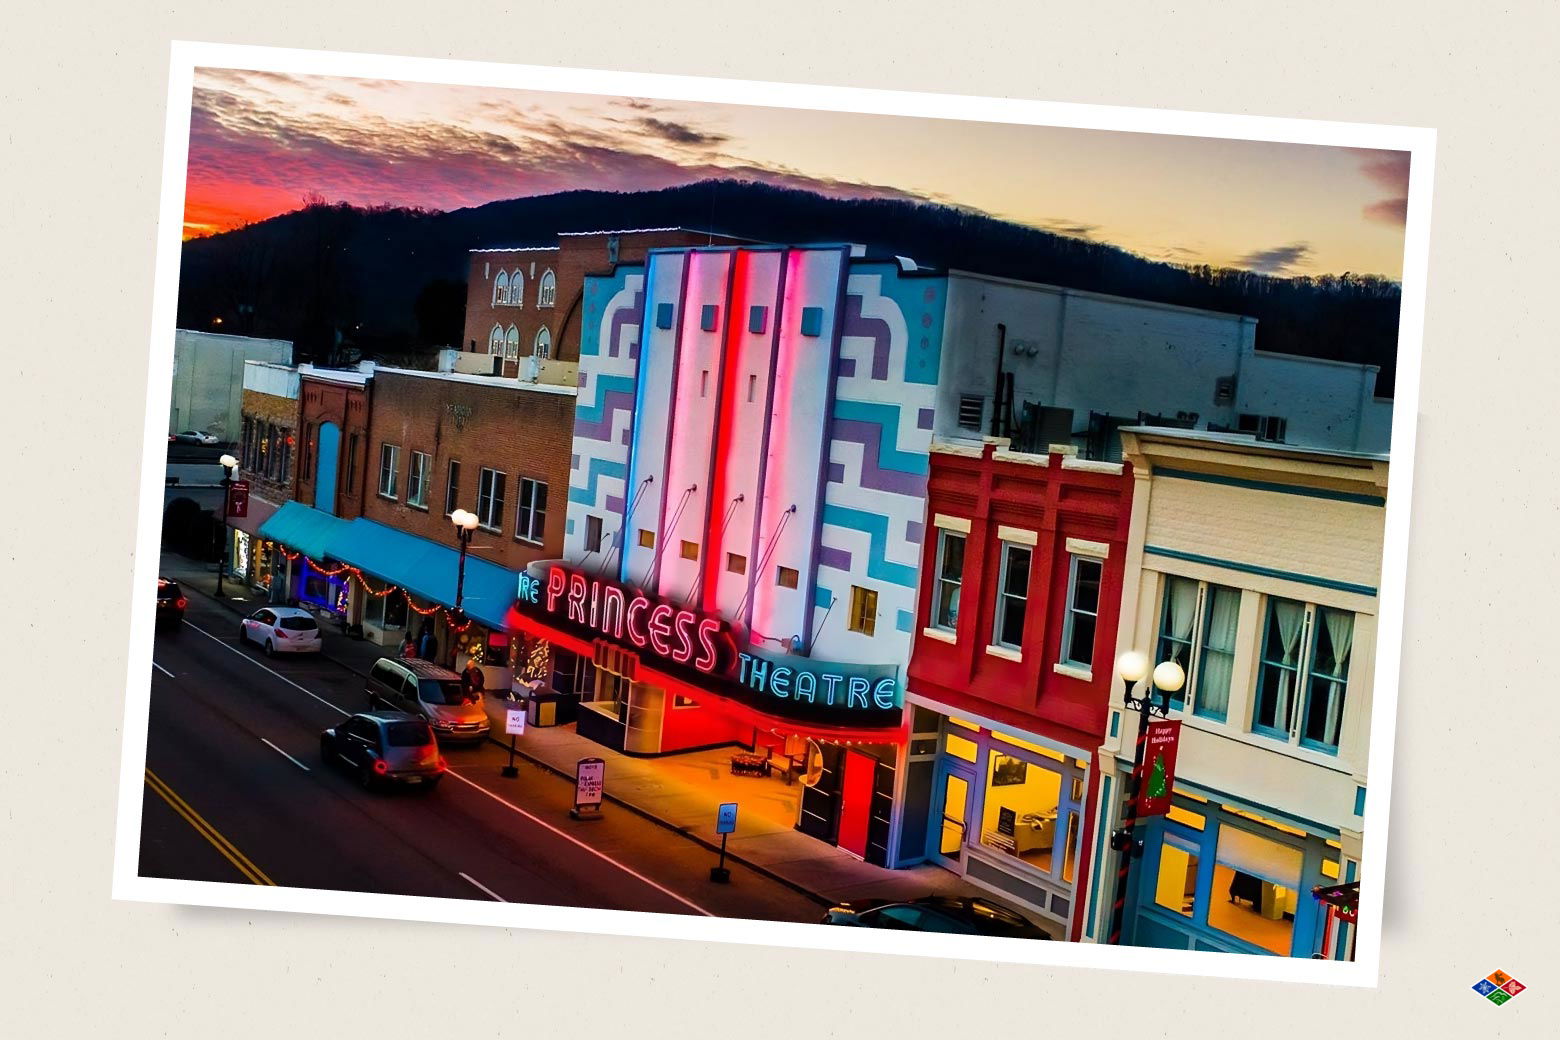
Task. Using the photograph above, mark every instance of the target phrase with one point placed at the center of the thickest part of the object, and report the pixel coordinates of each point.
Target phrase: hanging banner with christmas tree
(1158, 768)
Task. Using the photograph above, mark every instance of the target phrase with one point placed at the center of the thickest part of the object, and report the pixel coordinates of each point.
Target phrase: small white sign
(514, 721)
(588, 781)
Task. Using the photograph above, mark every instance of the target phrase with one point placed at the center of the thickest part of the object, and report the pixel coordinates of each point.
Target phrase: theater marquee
(702, 651)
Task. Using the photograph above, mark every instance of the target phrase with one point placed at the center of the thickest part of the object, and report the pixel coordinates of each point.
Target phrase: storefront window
(241, 554)
(1022, 809)
(1260, 879)
(1176, 888)
(265, 562)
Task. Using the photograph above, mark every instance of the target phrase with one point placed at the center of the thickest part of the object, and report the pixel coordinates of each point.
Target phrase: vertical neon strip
(726, 395)
(809, 607)
(763, 447)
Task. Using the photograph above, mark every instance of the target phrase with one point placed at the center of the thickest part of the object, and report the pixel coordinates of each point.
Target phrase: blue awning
(304, 528)
(426, 569)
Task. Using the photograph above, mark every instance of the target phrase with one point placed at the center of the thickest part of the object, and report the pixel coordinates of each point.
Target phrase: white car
(282, 630)
(195, 437)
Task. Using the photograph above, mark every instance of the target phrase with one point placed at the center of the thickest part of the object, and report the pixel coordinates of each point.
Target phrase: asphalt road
(236, 791)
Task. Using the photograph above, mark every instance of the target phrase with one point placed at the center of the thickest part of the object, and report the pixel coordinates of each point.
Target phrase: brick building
(333, 415)
(267, 452)
(525, 302)
(1011, 670)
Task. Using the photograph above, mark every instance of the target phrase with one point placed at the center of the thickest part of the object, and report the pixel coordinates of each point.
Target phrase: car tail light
(181, 602)
(281, 633)
(381, 766)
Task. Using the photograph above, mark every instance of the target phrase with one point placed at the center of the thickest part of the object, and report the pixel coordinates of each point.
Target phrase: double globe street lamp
(1169, 677)
(229, 467)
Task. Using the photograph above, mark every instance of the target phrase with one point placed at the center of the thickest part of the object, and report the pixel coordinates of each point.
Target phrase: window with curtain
(1176, 616)
(1278, 675)
(1216, 661)
(950, 578)
(1012, 596)
(1328, 681)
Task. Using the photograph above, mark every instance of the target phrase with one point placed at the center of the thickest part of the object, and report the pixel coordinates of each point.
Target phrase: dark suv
(170, 605)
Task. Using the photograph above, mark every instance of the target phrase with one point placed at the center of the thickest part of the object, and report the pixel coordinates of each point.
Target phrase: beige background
(1471, 883)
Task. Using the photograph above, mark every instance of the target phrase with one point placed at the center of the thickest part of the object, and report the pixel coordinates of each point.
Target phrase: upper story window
(1083, 609)
(542, 347)
(546, 289)
(592, 534)
(516, 289)
(496, 340)
(1012, 596)
(389, 469)
(531, 514)
(1198, 625)
(1304, 656)
(490, 499)
(863, 610)
(417, 479)
(950, 580)
(501, 290)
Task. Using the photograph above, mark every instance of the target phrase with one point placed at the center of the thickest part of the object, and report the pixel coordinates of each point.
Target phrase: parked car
(282, 630)
(192, 437)
(385, 747)
(436, 694)
(965, 916)
(170, 605)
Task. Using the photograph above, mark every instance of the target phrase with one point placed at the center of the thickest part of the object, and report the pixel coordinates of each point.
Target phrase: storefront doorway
(856, 802)
(952, 796)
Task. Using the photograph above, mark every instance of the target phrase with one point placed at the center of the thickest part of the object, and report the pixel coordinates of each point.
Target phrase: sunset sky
(260, 141)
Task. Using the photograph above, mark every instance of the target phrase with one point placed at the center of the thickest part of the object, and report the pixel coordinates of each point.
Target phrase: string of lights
(354, 573)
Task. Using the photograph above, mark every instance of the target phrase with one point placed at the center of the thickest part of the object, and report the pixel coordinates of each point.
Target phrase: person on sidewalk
(427, 646)
(408, 648)
(472, 683)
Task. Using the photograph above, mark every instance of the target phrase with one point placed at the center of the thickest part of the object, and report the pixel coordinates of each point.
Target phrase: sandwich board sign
(589, 776)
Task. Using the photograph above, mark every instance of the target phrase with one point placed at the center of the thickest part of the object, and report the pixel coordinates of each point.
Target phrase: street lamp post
(1168, 676)
(229, 465)
(465, 526)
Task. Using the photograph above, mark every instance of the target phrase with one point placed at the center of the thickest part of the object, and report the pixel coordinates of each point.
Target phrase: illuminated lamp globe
(1132, 665)
(1168, 676)
(228, 462)
(464, 519)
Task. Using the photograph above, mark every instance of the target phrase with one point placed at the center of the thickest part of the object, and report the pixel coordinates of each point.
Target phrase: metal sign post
(589, 777)
(514, 725)
(725, 823)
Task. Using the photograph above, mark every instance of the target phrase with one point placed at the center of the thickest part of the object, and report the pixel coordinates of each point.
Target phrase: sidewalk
(678, 792)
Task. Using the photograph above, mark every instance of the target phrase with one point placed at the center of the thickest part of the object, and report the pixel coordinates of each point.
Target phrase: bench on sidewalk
(745, 764)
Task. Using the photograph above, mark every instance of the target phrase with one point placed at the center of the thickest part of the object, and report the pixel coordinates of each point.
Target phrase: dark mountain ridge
(391, 280)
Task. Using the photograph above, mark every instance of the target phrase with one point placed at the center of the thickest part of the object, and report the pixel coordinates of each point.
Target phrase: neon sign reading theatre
(688, 639)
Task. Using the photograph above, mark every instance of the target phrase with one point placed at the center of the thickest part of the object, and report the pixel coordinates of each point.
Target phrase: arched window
(517, 289)
(496, 341)
(546, 289)
(501, 289)
(542, 348)
(512, 343)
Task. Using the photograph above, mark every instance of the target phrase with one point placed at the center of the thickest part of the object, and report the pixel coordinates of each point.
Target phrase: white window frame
(390, 453)
(997, 647)
(516, 296)
(451, 486)
(528, 528)
(501, 289)
(496, 340)
(939, 579)
(1072, 610)
(541, 346)
(1295, 736)
(490, 507)
(511, 343)
(417, 478)
(547, 289)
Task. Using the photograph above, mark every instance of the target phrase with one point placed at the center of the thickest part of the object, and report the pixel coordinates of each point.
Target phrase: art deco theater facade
(745, 516)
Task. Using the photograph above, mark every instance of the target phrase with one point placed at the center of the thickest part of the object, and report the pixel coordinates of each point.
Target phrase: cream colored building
(1255, 566)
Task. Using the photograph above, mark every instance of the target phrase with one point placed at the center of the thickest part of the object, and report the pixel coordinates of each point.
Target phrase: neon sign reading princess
(676, 634)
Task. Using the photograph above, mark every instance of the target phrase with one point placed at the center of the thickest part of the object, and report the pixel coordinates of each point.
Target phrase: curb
(607, 795)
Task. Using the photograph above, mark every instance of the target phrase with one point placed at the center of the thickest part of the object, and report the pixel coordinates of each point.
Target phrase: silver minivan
(437, 694)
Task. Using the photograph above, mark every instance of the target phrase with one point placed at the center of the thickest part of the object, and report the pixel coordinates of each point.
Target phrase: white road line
(165, 671)
(484, 888)
(625, 868)
(257, 664)
(284, 754)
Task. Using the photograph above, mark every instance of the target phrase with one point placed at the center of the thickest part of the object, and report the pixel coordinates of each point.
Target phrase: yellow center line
(230, 851)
